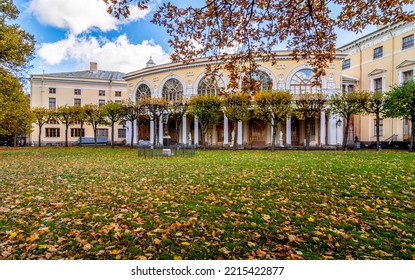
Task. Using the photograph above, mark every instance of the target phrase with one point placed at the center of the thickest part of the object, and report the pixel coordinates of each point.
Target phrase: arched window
(302, 82)
(172, 90)
(143, 92)
(211, 85)
(257, 81)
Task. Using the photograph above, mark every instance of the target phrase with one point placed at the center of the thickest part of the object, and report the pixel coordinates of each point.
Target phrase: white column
(135, 140)
(332, 130)
(323, 128)
(161, 131)
(196, 131)
(239, 139)
(226, 131)
(288, 132)
(152, 132)
(272, 132)
(184, 130)
(279, 136)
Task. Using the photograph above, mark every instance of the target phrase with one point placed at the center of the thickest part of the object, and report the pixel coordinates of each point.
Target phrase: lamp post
(338, 124)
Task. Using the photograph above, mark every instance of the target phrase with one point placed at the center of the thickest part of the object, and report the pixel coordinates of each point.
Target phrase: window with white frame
(101, 102)
(378, 52)
(52, 103)
(408, 42)
(77, 102)
(101, 93)
(172, 90)
(76, 132)
(143, 92)
(407, 75)
(122, 133)
(211, 85)
(380, 127)
(77, 91)
(378, 85)
(52, 132)
(52, 90)
(102, 132)
(346, 64)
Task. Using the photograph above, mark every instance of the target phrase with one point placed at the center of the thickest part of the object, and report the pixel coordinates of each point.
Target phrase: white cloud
(79, 16)
(116, 55)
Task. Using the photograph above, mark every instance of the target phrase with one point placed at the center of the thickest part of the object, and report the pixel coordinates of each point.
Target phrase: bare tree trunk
(66, 135)
(377, 132)
(307, 133)
(235, 139)
(15, 140)
(40, 135)
(411, 147)
(112, 134)
(274, 136)
(346, 133)
(132, 135)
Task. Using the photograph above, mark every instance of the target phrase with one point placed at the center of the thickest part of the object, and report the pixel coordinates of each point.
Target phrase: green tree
(16, 45)
(400, 102)
(114, 112)
(67, 116)
(251, 29)
(94, 118)
(308, 107)
(42, 115)
(348, 104)
(375, 105)
(207, 108)
(236, 107)
(15, 115)
(274, 107)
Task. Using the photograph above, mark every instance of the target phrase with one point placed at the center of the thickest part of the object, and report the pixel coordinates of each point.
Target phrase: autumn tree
(177, 109)
(400, 103)
(41, 115)
(241, 34)
(347, 104)
(16, 45)
(67, 116)
(15, 115)
(236, 107)
(273, 107)
(207, 108)
(114, 112)
(375, 105)
(94, 117)
(308, 107)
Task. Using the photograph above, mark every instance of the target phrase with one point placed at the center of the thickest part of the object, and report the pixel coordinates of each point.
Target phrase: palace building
(77, 88)
(374, 62)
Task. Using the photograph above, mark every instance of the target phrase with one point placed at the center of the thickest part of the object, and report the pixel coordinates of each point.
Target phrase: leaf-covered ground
(85, 203)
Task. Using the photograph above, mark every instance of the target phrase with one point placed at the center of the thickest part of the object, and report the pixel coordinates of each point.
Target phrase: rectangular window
(122, 133)
(408, 42)
(53, 132)
(76, 132)
(52, 90)
(407, 75)
(377, 52)
(346, 64)
(77, 102)
(77, 91)
(76, 122)
(380, 128)
(52, 103)
(101, 102)
(378, 85)
(118, 94)
(406, 128)
(102, 132)
(102, 93)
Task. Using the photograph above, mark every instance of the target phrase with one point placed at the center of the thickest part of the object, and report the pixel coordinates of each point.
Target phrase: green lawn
(86, 203)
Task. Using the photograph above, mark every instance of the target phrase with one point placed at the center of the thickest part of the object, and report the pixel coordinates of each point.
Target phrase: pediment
(377, 72)
(406, 63)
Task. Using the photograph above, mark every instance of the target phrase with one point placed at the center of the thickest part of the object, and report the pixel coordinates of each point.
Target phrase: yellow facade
(76, 88)
(374, 71)
(281, 75)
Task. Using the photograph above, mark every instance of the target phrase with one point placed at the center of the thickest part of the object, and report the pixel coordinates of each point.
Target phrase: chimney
(93, 66)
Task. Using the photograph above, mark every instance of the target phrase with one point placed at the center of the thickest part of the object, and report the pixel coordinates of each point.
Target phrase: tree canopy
(242, 33)
(16, 45)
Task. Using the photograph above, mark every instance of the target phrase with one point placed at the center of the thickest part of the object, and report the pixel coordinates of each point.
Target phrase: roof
(97, 75)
